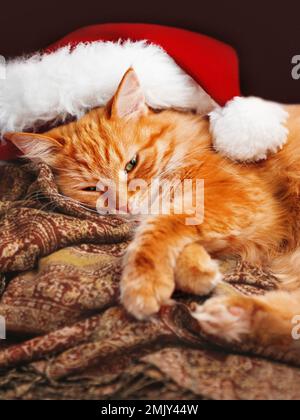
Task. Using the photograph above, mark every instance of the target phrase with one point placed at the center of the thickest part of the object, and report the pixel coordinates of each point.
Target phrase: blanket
(68, 336)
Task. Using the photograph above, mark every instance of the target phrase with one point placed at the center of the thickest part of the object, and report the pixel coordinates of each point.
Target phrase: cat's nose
(123, 209)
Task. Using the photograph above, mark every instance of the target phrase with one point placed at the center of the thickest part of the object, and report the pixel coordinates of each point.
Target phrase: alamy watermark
(2, 68)
(296, 67)
(157, 197)
(296, 329)
(2, 328)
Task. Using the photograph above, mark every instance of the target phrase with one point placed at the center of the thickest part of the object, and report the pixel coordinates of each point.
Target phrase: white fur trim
(247, 129)
(67, 82)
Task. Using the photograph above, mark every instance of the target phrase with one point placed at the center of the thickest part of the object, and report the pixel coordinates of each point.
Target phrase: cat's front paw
(225, 318)
(196, 272)
(145, 291)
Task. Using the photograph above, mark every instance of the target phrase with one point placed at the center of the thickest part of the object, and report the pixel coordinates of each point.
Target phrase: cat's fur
(251, 211)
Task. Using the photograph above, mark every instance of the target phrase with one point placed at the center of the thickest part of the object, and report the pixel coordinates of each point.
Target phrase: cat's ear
(34, 146)
(129, 100)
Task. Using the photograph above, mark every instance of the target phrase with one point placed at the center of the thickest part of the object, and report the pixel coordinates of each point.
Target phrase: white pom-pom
(248, 129)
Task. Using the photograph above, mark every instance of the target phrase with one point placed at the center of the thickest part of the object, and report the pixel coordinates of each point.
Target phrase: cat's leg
(196, 272)
(148, 275)
(265, 321)
(286, 269)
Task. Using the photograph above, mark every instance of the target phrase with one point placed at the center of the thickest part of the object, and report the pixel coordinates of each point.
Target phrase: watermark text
(296, 329)
(157, 197)
(296, 67)
(2, 328)
(2, 68)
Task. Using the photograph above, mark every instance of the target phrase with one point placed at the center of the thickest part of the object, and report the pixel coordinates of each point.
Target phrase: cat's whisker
(76, 202)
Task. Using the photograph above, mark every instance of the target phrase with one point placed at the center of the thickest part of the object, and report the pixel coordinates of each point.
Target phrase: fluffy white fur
(51, 87)
(47, 87)
(247, 129)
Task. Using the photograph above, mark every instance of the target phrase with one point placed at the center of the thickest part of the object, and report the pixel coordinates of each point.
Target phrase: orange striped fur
(251, 210)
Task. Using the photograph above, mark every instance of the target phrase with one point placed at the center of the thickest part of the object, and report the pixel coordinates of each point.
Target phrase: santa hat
(176, 68)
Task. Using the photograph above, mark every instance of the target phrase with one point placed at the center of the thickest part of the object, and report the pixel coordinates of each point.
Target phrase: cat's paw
(143, 294)
(196, 272)
(224, 318)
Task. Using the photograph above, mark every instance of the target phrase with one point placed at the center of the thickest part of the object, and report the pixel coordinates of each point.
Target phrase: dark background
(265, 33)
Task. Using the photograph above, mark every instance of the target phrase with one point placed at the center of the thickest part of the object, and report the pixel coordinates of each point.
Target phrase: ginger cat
(251, 211)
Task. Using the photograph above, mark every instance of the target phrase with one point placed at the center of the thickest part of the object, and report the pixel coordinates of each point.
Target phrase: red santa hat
(177, 69)
(211, 63)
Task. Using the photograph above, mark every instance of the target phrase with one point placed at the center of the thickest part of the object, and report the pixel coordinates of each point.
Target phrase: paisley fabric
(67, 335)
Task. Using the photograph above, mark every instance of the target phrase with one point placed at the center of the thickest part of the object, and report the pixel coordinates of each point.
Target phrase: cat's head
(122, 142)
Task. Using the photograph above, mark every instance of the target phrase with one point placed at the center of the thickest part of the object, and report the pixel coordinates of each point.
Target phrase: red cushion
(213, 64)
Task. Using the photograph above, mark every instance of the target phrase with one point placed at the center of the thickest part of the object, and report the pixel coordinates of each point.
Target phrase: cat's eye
(131, 165)
(90, 189)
